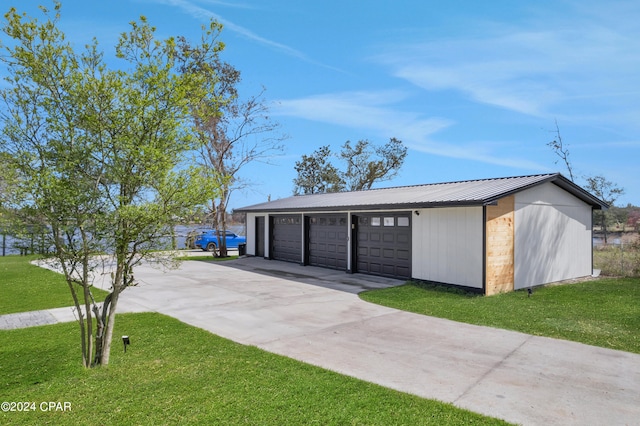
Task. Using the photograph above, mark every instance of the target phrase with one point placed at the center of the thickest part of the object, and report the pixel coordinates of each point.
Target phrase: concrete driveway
(314, 315)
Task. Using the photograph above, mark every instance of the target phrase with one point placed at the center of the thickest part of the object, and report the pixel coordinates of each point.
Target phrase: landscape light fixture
(125, 342)
(529, 292)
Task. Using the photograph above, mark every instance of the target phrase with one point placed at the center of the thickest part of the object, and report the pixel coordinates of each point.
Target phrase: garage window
(375, 221)
(389, 221)
(403, 221)
(287, 221)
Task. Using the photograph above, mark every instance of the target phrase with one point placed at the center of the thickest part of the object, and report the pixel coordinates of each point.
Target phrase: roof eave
(368, 207)
(579, 192)
(555, 178)
(559, 180)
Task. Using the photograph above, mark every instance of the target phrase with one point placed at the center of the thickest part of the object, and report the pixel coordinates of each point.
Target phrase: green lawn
(26, 287)
(603, 313)
(173, 373)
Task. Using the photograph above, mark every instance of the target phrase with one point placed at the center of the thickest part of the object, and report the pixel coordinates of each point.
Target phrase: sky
(473, 89)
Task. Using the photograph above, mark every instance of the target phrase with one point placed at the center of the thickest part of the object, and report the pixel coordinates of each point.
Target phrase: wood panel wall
(500, 246)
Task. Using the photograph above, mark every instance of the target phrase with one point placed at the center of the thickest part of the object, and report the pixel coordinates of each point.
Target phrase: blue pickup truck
(208, 240)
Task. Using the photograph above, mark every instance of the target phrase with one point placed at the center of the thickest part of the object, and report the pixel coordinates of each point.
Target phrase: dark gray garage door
(383, 244)
(328, 239)
(286, 238)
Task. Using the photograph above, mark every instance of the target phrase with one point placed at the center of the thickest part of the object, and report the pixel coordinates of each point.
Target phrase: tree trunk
(108, 317)
(87, 296)
(604, 227)
(222, 224)
(85, 335)
(108, 330)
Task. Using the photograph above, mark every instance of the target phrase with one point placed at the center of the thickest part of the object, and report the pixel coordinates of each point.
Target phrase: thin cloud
(374, 111)
(367, 110)
(228, 4)
(536, 68)
(476, 152)
(203, 14)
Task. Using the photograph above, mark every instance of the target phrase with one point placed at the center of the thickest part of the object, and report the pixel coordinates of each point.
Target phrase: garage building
(490, 235)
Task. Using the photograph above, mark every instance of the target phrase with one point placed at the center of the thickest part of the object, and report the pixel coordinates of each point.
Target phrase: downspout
(591, 226)
(268, 225)
(349, 242)
(306, 224)
(484, 249)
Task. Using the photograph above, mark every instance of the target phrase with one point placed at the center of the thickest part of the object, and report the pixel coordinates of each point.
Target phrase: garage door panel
(372, 267)
(403, 271)
(403, 238)
(403, 254)
(328, 241)
(384, 244)
(286, 241)
(389, 269)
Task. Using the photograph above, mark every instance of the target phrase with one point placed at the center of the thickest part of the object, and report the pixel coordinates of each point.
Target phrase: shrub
(618, 260)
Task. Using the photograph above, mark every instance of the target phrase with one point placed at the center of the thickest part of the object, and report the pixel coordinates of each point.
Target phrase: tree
(6, 181)
(316, 174)
(605, 190)
(367, 165)
(620, 215)
(633, 218)
(608, 192)
(233, 133)
(364, 165)
(561, 150)
(99, 155)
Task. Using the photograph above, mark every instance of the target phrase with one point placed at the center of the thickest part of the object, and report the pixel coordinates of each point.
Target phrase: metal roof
(463, 193)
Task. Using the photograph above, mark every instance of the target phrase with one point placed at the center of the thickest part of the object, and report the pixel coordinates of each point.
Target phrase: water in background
(10, 245)
(182, 232)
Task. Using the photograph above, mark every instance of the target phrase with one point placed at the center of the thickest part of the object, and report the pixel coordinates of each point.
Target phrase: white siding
(552, 236)
(447, 245)
(251, 232)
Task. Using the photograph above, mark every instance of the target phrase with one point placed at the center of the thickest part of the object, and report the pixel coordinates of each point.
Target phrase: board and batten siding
(500, 246)
(447, 245)
(553, 239)
(250, 221)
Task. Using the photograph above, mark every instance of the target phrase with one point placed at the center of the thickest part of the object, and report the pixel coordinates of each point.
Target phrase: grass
(619, 261)
(603, 313)
(173, 373)
(26, 287)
